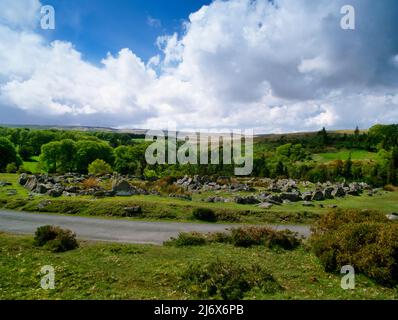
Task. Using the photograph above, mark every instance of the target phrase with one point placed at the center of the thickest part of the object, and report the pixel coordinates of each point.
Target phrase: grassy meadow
(117, 271)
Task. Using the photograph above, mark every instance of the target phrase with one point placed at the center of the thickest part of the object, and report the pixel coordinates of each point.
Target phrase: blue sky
(97, 27)
(270, 66)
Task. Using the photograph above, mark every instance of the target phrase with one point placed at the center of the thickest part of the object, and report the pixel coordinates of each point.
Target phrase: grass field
(344, 155)
(116, 271)
(32, 165)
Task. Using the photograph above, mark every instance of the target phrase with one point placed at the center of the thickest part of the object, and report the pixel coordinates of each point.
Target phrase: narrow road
(124, 231)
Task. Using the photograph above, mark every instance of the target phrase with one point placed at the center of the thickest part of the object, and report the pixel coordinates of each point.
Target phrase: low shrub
(255, 236)
(11, 168)
(336, 218)
(45, 234)
(227, 280)
(390, 188)
(228, 216)
(204, 214)
(219, 237)
(99, 168)
(90, 183)
(371, 247)
(55, 238)
(186, 239)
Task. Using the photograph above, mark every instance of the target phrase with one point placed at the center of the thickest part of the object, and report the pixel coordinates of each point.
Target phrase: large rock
(55, 193)
(263, 196)
(123, 188)
(338, 192)
(23, 178)
(41, 188)
(31, 183)
(246, 200)
(353, 192)
(290, 196)
(318, 196)
(328, 193)
(274, 199)
(307, 196)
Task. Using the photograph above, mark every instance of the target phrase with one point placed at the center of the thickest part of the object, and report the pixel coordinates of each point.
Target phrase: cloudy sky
(271, 66)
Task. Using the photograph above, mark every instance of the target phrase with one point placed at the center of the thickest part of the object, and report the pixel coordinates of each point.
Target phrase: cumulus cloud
(283, 65)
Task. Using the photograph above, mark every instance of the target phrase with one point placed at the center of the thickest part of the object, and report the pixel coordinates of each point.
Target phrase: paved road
(125, 231)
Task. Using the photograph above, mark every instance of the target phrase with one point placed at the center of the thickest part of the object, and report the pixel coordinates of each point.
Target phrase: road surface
(124, 231)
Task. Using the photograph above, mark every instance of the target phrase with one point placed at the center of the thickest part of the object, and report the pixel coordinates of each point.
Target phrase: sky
(271, 66)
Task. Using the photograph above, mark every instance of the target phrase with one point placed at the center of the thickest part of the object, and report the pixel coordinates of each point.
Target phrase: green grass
(344, 155)
(117, 271)
(32, 165)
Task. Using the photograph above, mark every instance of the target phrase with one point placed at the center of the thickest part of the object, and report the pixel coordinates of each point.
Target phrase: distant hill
(258, 137)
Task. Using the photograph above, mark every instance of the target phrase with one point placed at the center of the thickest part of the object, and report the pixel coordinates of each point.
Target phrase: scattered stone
(246, 200)
(55, 193)
(186, 197)
(308, 204)
(307, 196)
(318, 196)
(392, 216)
(290, 196)
(5, 184)
(23, 178)
(123, 188)
(31, 183)
(11, 192)
(338, 192)
(43, 204)
(132, 211)
(41, 188)
(328, 193)
(265, 205)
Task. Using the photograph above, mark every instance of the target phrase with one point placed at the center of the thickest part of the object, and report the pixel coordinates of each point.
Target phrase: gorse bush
(90, 183)
(204, 214)
(365, 241)
(228, 280)
(240, 237)
(185, 239)
(255, 236)
(45, 234)
(334, 219)
(55, 239)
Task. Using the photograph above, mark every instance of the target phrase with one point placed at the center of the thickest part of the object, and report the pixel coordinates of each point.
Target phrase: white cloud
(238, 63)
(153, 22)
(19, 14)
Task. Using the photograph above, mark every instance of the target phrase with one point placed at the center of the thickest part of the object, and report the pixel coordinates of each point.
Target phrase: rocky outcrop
(246, 200)
(123, 188)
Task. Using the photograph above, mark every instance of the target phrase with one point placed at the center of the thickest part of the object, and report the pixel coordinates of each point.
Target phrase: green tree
(8, 154)
(49, 157)
(347, 170)
(89, 151)
(99, 167)
(66, 156)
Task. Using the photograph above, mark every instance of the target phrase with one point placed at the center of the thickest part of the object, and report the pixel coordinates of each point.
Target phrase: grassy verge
(116, 271)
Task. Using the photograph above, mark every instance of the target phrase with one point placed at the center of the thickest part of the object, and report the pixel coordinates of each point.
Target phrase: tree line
(60, 151)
